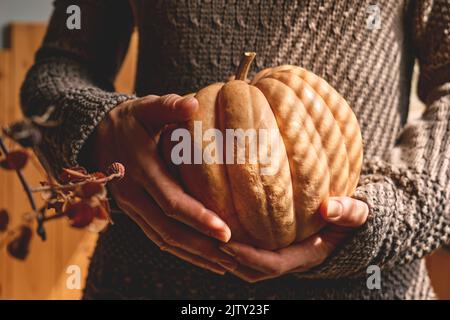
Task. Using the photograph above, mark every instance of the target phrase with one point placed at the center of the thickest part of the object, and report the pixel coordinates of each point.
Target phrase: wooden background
(43, 274)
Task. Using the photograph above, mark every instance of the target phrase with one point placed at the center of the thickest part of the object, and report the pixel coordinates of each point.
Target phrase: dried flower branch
(25, 186)
(79, 196)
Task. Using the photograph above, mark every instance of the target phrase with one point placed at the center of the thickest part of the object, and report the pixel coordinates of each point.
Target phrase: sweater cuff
(78, 117)
(406, 221)
(355, 254)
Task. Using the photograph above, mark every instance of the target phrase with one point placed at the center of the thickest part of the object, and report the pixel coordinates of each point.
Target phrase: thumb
(344, 211)
(157, 111)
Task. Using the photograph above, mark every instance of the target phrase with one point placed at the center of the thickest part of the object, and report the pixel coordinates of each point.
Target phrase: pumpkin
(319, 153)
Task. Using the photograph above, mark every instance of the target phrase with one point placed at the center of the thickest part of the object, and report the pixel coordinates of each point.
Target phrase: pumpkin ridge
(197, 178)
(271, 209)
(266, 214)
(309, 222)
(245, 179)
(268, 208)
(269, 72)
(300, 72)
(318, 151)
(355, 161)
(332, 158)
(235, 214)
(352, 146)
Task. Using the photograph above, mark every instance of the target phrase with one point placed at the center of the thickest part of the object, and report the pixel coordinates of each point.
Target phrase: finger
(182, 254)
(330, 239)
(154, 111)
(250, 275)
(310, 252)
(178, 205)
(151, 173)
(345, 211)
(267, 262)
(174, 233)
(307, 254)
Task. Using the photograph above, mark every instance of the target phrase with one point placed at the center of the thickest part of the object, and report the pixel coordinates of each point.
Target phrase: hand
(344, 214)
(172, 219)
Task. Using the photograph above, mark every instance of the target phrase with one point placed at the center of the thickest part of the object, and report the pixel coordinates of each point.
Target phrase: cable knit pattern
(81, 105)
(73, 73)
(185, 45)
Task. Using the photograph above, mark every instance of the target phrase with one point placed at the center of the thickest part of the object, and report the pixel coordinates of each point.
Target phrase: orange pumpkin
(319, 153)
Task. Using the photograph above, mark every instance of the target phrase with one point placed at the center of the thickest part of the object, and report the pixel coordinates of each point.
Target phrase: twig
(55, 216)
(74, 185)
(40, 217)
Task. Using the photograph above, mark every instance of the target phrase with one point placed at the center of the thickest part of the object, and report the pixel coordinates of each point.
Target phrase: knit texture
(186, 45)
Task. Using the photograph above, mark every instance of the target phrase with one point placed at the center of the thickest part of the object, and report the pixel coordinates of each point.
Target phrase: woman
(399, 213)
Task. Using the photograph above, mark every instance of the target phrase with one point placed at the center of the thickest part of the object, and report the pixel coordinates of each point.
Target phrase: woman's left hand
(344, 214)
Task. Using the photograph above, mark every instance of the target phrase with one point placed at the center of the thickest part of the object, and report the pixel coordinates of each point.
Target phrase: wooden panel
(43, 274)
(5, 110)
(21, 281)
(126, 77)
(6, 179)
(439, 268)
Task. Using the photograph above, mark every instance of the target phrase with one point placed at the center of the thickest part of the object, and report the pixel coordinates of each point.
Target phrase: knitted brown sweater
(185, 45)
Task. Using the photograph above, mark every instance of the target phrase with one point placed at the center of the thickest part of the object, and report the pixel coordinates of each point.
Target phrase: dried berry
(24, 133)
(90, 189)
(4, 219)
(15, 160)
(19, 246)
(80, 214)
(117, 168)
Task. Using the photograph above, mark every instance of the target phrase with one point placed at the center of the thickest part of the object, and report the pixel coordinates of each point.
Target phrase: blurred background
(43, 275)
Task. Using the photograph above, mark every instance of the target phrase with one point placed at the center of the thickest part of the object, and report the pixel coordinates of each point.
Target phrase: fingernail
(225, 235)
(227, 250)
(222, 236)
(186, 106)
(221, 231)
(334, 209)
(216, 222)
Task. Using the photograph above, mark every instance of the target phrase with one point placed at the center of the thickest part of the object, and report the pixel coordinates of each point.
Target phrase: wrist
(96, 154)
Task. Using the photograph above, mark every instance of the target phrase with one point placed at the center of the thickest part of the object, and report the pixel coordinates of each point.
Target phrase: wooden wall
(43, 274)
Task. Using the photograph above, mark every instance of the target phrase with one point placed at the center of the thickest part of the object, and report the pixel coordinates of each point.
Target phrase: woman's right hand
(176, 222)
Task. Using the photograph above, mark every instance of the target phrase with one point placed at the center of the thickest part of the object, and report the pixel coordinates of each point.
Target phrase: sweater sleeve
(408, 193)
(73, 72)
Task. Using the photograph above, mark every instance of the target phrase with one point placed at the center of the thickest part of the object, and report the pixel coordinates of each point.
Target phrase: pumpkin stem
(244, 65)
